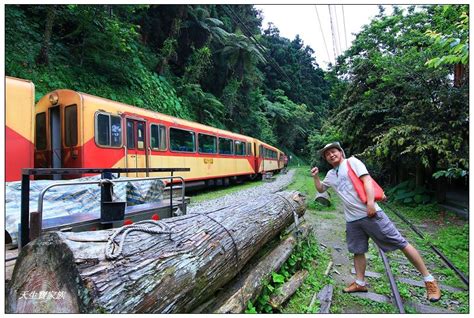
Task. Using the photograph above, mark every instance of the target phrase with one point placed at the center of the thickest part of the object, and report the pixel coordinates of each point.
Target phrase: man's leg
(434, 293)
(359, 285)
(360, 263)
(415, 258)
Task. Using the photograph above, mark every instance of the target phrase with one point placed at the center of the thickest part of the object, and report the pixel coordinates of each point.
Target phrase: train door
(55, 139)
(137, 155)
(255, 156)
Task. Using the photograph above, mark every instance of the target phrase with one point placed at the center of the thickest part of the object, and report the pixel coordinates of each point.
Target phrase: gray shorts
(379, 228)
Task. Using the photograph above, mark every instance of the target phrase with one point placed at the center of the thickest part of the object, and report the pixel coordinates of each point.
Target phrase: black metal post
(171, 195)
(25, 209)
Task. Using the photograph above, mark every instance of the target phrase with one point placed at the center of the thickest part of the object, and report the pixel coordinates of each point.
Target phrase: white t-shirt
(338, 179)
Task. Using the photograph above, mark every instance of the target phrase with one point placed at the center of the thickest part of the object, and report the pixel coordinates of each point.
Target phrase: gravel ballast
(281, 181)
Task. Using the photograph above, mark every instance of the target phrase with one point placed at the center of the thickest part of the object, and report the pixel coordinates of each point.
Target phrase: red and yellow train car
(269, 158)
(77, 130)
(19, 144)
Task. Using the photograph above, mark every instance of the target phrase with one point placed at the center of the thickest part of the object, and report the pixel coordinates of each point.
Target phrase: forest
(398, 98)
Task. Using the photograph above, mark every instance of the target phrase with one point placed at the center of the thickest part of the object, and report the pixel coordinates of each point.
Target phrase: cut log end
(46, 284)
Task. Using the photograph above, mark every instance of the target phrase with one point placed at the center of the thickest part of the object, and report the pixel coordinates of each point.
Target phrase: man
(366, 220)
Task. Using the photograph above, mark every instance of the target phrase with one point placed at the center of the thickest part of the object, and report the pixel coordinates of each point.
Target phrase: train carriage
(19, 144)
(268, 157)
(77, 130)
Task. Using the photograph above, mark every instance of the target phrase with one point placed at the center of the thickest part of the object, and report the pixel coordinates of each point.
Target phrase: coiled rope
(158, 228)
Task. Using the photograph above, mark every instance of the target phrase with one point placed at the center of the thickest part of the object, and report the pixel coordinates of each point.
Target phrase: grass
(447, 234)
(303, 182)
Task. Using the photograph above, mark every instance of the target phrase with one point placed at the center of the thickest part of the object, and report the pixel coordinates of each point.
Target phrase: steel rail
(458, 272)
(393, 284)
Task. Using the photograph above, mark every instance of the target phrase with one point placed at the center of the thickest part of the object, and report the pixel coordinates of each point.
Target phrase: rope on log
(163, 228)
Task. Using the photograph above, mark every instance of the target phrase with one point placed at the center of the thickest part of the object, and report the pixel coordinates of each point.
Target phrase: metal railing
(24, 237)
(100, 182)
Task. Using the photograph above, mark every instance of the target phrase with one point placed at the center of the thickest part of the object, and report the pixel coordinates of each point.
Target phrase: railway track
(395, 298)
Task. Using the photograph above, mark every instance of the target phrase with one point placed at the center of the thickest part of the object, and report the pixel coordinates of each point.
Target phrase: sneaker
(354, 287)
(434, 293)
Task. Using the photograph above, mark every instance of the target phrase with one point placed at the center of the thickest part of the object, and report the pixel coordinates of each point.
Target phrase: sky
(303, 20)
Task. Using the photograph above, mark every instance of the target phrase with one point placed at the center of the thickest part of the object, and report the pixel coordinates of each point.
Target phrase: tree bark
(249, 285)
(288, 289)
(43, 56)
(155, 273)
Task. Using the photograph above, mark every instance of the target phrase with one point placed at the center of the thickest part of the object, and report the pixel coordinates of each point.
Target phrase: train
(19, 133)
(70, 129)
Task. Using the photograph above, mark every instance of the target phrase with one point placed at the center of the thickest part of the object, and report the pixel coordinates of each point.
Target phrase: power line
(259, 46)
(344, 21)
(332, 32)
(322, 33)
(337, 30)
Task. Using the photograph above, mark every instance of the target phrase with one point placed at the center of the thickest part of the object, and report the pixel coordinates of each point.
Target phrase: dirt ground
(329, 228)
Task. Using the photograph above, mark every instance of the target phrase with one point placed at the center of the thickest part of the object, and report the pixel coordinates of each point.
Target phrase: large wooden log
(155, 273)
(248, 285)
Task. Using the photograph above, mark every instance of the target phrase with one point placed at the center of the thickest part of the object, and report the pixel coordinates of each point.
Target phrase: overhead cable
(322, 33)
(337, 30)
(344, 21)
(332, 32)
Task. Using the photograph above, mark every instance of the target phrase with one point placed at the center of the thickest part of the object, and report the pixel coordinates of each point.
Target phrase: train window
(130, 135)
(140, 135)
(239, 148)
(103, 129)
(70, 126)
(260, 152)
(40, 131)
(182, 140)
(158, 137)
(225, 146)
(108, 130)
(162, 137)
(116, 129)
(207, 143)
(249, 149)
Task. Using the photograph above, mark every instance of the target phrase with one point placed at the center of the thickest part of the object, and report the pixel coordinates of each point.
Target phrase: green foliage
(408, 193)
(250, 308)
(394, 110)
(318, 139)
(451, 173)
(303, 256)
(455, 43)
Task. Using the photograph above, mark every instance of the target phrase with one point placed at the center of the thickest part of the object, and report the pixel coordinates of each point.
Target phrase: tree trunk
(420, 175)
(288, 289)
(171, 272)
(43, 56)
(248, 286)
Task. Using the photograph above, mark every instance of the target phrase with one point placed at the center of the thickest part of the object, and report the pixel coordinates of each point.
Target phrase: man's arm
(369, 191)
(317, 182)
